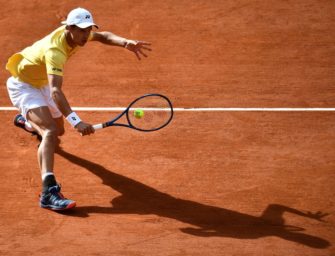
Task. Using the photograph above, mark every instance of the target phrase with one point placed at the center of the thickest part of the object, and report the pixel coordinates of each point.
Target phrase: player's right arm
(63, 105)
(135, 46)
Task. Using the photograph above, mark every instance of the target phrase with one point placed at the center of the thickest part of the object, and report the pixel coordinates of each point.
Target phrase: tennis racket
(156, 110)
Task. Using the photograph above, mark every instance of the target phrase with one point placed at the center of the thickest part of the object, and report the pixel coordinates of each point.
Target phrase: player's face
(79, 36)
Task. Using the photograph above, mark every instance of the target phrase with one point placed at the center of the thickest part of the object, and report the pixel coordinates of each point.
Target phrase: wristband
(73, 119)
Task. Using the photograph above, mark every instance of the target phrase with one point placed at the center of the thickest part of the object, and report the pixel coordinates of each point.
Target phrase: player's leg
(22, 123)
(20, 120)
(34, 106)
(18, 93)
(42, 120)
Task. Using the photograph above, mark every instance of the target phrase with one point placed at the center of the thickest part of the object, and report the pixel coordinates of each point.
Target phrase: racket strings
(157, 112)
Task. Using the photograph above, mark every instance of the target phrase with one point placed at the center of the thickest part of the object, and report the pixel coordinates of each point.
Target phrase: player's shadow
(206, 220)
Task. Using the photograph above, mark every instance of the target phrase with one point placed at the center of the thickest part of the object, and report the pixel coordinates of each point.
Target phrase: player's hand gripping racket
(148, 113)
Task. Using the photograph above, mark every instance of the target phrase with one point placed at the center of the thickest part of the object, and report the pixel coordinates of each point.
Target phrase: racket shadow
(138, 198)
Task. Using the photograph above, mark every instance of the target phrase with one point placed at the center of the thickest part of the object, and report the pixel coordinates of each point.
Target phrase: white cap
(80, 17)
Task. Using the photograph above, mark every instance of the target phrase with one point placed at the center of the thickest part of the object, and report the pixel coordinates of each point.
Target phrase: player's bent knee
(50, 132)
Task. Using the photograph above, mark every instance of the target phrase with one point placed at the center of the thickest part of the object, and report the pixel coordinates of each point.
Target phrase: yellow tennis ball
(138, 113)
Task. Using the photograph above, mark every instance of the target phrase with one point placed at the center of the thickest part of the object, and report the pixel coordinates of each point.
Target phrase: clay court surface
(211, 183)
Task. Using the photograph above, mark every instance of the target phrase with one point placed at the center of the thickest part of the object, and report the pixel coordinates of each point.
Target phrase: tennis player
(35, 89)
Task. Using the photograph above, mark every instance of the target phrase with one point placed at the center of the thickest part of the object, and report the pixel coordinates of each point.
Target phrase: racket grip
(98, 126)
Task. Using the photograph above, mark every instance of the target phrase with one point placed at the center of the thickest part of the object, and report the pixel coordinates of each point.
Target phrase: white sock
(29, 126)
(46, 174)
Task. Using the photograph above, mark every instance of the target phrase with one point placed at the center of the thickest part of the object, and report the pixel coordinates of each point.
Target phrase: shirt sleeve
(54, 62)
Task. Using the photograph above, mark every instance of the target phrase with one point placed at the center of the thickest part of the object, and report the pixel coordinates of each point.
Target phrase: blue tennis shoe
(53, 199)
(20, 121)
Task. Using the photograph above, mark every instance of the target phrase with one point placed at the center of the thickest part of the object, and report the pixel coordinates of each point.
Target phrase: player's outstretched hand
(317, 216)
(84, 128)
(138, 48)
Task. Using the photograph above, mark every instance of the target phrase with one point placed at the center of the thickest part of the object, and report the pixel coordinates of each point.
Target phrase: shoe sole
(53, 208)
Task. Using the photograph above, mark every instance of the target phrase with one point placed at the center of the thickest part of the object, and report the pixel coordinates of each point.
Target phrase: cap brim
(86, 25)
(81, 25)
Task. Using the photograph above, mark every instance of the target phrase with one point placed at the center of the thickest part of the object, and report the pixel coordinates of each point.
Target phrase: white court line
(199, 109)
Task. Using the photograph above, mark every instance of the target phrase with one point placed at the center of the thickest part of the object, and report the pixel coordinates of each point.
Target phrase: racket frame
(126, 112)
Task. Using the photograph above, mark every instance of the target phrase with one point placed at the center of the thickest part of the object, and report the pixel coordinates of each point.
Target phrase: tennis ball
(138, 113)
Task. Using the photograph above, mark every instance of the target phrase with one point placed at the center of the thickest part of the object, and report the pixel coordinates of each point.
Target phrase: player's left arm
(135, 46)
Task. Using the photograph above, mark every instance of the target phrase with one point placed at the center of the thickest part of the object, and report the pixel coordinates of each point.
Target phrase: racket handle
(97, 126)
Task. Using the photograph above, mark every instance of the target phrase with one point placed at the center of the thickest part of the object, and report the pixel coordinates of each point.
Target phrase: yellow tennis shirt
(46, 56)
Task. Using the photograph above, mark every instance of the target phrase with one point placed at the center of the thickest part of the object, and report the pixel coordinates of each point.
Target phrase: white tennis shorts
(26, 97)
